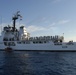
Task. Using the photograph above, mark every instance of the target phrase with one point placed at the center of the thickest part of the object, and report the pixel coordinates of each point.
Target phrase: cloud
(42, 31)
(53, 24)
(59, 23)
(34, 28)
(63, 21)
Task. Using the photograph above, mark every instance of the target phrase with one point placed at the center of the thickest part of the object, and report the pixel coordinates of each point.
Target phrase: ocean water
(37, 63)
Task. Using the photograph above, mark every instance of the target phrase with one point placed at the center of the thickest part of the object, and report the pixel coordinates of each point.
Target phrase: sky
(42, 17)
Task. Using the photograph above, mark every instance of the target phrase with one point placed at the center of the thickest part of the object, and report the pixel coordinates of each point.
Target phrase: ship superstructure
(19, 39)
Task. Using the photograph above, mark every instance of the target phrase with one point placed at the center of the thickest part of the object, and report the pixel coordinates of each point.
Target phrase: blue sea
(37, 63)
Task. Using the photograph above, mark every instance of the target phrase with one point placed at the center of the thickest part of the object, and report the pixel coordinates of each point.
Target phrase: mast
(14, 18)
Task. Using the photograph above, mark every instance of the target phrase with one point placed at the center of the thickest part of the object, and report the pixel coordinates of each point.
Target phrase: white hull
(43, 47)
